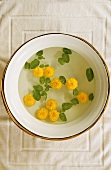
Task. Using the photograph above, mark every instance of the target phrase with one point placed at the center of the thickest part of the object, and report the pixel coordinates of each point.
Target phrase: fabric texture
(21, 20)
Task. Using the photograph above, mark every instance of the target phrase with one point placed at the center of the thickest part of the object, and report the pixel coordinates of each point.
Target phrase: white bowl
(20, 115)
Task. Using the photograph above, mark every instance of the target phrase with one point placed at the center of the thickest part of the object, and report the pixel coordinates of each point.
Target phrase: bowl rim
(48, 138)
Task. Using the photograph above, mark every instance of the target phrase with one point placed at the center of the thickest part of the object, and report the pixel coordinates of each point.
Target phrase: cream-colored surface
(21, 20)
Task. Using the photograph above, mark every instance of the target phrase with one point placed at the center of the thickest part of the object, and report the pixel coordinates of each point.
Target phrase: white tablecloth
(21, 20)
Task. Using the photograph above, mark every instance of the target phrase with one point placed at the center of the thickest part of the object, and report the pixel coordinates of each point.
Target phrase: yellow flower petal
(29, 100)
(53, 115)
(42, 113)
(51, 104)
(82, 97)
(56, 83)
(48, 71)
(38, 72)
(71, 83)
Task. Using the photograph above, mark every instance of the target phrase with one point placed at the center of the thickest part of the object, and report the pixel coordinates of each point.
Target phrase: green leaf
(42, 66)
(62, 116)
(89, 74)
(38, 87)
(36, 95)
(46, 85)
(34, 63)
(67, 106)
(27, 65)
(39, 53)
(75, 101)
(43, 93)
(91, 96)
(47, 89)
(48, 80)
(42, 80)
(62, 110)
(67, 51)
(46, 65)
(61, 61)
(75, 92)
(65, 58)
(62, 79)
(40, 57)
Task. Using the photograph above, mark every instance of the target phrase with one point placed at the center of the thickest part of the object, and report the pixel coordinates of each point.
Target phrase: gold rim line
(42, 137)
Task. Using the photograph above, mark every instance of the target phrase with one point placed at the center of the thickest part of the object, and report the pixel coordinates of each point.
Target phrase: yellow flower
(42, 113)
(29, 100)
(56, 83)
(48, 71)
(53, 115)
(82, 97)
(51, 104)
(38, 72)
(71, 83)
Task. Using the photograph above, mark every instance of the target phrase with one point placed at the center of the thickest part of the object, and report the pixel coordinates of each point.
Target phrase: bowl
(21, 116)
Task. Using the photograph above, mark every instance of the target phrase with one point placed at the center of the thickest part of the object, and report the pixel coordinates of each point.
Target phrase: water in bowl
(76, 68)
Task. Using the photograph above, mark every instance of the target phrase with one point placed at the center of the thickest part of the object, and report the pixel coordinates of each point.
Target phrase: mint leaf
(89, 74)
(39, 53)
(75, 92)
(27, 65)
(62, 116)
(91, 96)
(62, 110)
(75, 101)
(65, 58)
(61, 61)
(46, 65)
(62, 79)
(46, 89)
(67, 106)
(34, 63)
(46, 85)
(40, 57)
(67, 51)
(42, 66)
(42, 80)
(38, 87)
(48, 80)
(43, 93)
(36, 95)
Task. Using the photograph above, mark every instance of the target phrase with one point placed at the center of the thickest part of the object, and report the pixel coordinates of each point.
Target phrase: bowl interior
(56, 130)
(76, 68)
